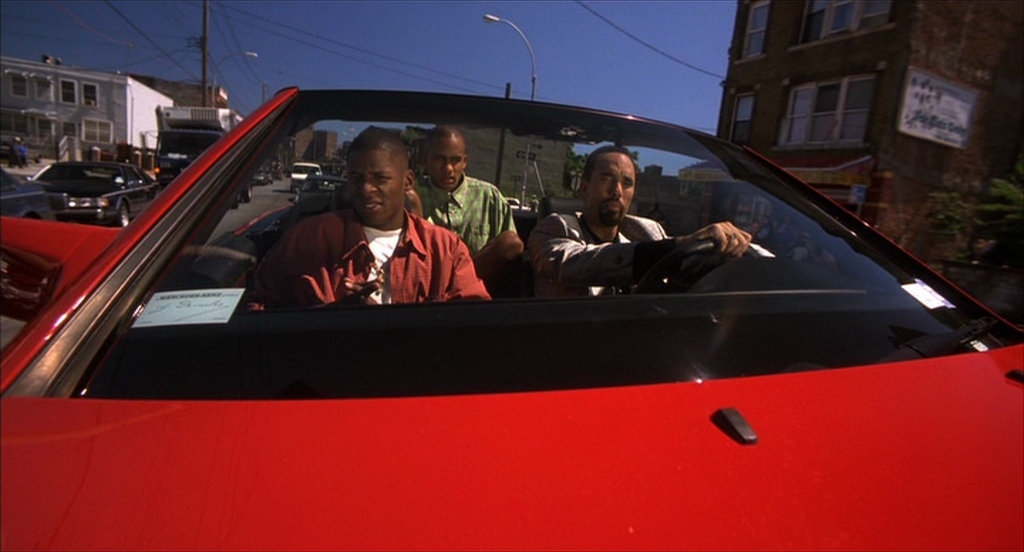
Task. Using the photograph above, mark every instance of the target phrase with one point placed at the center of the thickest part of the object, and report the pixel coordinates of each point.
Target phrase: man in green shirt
(474, 209)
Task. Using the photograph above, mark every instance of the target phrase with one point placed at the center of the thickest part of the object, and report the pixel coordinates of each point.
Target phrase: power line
(229, 23)
(171, 14)
(654, 48)
(145, 36)
(81, 23)
(301, 32)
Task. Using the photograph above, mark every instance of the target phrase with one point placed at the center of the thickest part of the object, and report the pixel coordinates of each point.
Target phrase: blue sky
(663, 60)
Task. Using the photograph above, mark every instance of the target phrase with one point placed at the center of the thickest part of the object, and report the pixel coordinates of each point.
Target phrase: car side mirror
(119, 180)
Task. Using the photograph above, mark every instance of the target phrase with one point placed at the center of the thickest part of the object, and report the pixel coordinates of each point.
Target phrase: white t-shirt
(382, 244)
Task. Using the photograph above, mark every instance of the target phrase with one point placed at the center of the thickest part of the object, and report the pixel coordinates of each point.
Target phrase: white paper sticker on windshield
(926, 295)
(204, 306)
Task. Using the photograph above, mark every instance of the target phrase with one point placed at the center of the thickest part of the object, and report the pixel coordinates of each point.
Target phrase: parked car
(321, 184)
(848, 397)
(301, 170)
(262, 178)
(23, 199)
(97, 192)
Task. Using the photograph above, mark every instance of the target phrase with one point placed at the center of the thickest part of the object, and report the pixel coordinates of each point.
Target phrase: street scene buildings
(882, 105)
(903, 112)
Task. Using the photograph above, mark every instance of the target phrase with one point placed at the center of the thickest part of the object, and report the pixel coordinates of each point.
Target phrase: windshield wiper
(941, 343)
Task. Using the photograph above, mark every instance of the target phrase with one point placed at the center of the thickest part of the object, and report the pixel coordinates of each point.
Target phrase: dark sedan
(23, 199)
(105, 193)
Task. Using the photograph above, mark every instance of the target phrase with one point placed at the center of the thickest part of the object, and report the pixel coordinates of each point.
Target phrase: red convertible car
(829, 393)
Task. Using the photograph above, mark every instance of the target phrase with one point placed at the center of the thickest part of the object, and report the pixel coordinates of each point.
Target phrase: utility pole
(206, 50)
(501, 144)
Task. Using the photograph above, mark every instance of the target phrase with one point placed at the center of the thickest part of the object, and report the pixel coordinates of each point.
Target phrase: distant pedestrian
(22, 152)
(12, 154)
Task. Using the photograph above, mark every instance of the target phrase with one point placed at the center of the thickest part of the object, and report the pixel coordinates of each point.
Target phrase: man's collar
(458, 196)
(355, 236)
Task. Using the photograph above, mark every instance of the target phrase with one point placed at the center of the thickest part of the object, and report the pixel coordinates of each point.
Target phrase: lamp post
(216, 71)
(488, 18)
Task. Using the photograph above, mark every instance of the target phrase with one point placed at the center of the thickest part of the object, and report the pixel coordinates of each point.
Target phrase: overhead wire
(219, 74)
(146, 37)
(229, 23)
(645, 44)
(301, 32)
(83, 24)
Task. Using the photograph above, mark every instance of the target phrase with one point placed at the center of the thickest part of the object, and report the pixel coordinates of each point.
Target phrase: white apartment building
(54, 106)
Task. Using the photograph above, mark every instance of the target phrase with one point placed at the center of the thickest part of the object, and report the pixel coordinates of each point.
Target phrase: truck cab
(301, 170)
(185, 133)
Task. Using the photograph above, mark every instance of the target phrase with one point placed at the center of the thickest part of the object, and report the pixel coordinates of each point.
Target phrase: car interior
(823, 298)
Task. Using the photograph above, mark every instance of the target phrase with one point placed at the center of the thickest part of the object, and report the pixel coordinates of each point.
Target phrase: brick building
(879, 103)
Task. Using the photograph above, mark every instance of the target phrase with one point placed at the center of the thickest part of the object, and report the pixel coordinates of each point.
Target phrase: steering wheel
(667, 274)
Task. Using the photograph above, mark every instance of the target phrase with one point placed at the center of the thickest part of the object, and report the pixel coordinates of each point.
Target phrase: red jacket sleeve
(464, 283)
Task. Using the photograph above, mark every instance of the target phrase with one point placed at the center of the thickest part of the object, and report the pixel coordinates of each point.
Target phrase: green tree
(1000, 217)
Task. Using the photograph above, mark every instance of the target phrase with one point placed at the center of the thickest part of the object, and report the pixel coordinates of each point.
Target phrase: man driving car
(603, 249)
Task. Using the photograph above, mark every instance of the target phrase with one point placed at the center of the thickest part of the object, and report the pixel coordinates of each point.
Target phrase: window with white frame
(90, 94)
(826, 18)
(97, 131)
(757, 23)
(743, 112)
(44, 90)
(19, 85)
(832, 112)
(68, 92)
(13, 122)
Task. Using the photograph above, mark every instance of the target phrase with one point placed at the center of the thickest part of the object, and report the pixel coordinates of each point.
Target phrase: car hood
(82, 188)
(923, 455)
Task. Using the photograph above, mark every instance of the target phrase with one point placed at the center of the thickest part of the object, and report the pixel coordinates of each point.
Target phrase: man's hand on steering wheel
(729, 240)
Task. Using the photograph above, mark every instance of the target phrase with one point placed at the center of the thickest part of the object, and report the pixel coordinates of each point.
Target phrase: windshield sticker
(926, 295)
(175, 308)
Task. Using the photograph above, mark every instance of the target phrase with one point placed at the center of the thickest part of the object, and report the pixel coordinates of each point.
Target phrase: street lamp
(488, 18)
(216, 69)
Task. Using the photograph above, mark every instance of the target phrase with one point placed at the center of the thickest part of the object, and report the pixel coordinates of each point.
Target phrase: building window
(826, 18)
(875, 13)
(19, 85)
(743, 113)
(69, 129)
(97, 131)
(44, 128)
(89, 94)
(15, 123)
(44, 92)
(68, 92)
(757, 22)
(821, 113)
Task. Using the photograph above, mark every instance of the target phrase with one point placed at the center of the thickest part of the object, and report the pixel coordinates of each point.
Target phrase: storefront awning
(831, 171)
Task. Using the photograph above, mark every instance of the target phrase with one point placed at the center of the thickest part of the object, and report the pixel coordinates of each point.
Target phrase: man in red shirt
(375, 253)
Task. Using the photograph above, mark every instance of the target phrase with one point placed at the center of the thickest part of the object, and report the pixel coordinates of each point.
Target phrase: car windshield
(78, 173)
(815, 295)
(185, 143)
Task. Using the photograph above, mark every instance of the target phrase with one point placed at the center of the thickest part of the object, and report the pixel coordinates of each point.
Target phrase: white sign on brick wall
(936, 109)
